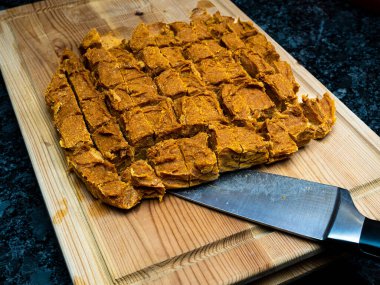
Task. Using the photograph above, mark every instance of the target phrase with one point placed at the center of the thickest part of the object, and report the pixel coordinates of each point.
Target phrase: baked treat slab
(176, 105)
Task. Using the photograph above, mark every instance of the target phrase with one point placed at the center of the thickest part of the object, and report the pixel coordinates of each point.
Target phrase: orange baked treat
(247, 101)
(154, 60)
(184, 162)
(176, 105)
(99, 175)
(174, 55)
(197, 112)
(281, 144)
(197, 52)
(320, 113)
(163, 120)
(200, 160)
(238, 147)
(137, 128)
(191, 77)
(169, 164)
(102, 179)
(170, 84)
(104, 130)
(298, 126)
(111, 143)
(143, 177)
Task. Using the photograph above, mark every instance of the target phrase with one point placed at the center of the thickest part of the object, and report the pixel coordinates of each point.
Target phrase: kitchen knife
(304, 208)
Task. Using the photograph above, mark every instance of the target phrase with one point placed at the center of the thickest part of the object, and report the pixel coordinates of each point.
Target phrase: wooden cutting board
(173, 241)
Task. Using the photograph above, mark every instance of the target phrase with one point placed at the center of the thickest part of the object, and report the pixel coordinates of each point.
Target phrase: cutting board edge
(35, 165)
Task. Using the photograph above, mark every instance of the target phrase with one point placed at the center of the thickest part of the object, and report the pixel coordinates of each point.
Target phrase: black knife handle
(370, 237)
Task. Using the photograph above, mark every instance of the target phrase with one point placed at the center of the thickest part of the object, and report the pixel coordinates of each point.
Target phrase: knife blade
(304, 208)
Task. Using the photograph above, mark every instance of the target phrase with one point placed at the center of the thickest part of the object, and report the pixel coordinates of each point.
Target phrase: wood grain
(173, 241)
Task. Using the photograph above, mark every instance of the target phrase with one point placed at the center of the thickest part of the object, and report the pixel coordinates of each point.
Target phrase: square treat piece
(163, 35)
(170, 84)
(74, 133)
(227, 149)
(143, 91)
(199, 19)
(234, 70)
(57, 83)
(162, 119)
(119, 99)
(199, 158)
(253, 63)
(219, 26)
(212, 71)
(284, 68)
(111, 143)
(279, 88)
(94, 56)
(137, 129)
(216, 48)
(91, 40)
(232, 41)
(242, 29)
(197, 52)
(83, 86)
(71, 63)
(321, 113)
(260, 45)
(95, 112)
(169, 164)
(173, 55)
(143, 177)
(120, 194)
(184, 32)
(112, 189)
(198, 111)
(141, 38)
(154, 60)
(63, 104)
(93, 169)
(238, 147)
(255, 148)
(108, 74)
(300, 130)
(125, 58)
(246, 102)
(102, 180)
(192, 79)
(201, 30)
(280, 143)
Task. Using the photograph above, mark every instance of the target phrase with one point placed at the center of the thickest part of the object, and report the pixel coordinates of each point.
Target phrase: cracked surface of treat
(196, 112)
(247, 102)
(110, 141)
(162, 119)
(200, 160)
(176, 105)
(170, 84)
(169, 164)
(238, 147)
(154, 60)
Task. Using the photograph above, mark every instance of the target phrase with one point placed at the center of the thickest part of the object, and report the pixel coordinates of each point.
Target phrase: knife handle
(369, 242)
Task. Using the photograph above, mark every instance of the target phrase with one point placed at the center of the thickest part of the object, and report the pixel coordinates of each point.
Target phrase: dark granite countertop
(335, 40)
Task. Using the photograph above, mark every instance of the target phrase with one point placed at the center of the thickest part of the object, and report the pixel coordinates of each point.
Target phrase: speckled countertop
(335, 40)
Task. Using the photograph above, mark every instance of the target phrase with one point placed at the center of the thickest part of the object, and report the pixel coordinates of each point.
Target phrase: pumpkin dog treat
(176, 105)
